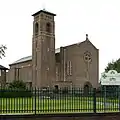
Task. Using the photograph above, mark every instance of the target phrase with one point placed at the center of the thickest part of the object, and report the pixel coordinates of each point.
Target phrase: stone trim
(60, 115)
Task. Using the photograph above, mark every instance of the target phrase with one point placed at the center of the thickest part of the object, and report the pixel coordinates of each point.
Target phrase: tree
(2, 51)
(114, 65)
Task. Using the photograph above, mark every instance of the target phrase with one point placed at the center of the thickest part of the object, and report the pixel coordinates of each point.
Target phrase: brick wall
(100, 116)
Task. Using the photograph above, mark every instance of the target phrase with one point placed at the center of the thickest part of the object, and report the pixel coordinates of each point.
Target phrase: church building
(74, 65)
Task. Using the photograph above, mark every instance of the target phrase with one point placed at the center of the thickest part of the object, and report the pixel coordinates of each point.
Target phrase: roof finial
(86, 36)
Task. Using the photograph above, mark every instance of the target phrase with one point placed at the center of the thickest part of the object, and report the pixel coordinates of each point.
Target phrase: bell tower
(43, 49)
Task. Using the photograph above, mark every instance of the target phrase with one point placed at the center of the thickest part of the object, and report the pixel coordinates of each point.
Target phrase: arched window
(36, 28)
(87, 88)
(48, 27)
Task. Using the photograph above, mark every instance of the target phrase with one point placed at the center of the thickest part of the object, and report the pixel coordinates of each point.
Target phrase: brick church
(73, 65)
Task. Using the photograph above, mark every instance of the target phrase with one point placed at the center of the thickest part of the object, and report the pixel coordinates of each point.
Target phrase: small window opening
(48, 27)
(36, 28)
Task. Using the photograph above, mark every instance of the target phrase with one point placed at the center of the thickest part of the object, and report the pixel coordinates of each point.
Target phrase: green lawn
(47, 105)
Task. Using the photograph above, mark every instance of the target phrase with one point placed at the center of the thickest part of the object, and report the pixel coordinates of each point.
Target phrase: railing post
(118, 92)
(35, 102)
(94, 100)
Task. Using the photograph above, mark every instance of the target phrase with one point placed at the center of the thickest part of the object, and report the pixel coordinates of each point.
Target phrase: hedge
(12, 93)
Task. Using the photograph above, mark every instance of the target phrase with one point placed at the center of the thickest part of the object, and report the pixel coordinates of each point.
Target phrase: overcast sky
(100, 19)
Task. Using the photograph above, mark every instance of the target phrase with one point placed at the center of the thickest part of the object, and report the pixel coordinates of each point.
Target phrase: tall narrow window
(48, 27)
(57, 73)
(69, 68)
(36, 28)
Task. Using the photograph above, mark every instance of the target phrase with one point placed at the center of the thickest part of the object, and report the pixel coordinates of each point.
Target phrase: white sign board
(112, 77)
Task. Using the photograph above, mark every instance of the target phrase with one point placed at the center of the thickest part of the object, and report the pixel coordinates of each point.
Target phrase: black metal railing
(43, 101)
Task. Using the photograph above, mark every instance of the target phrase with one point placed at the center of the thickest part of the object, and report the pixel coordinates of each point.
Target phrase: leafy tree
(114, 65)
(2, 51)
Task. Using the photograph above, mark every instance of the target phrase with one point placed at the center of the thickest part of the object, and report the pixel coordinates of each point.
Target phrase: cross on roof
(86, 36)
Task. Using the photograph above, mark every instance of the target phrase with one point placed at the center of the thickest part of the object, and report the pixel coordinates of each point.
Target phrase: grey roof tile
(30, 58)
(3, 68)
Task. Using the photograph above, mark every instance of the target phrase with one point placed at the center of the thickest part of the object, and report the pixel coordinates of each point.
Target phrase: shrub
(109, 91)
(17, 84)
(15, 89)
(11, 93)
(65, 90)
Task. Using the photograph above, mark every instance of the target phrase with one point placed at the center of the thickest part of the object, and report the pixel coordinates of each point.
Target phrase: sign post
(110, 78)
(105, 98)
(119, 96)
